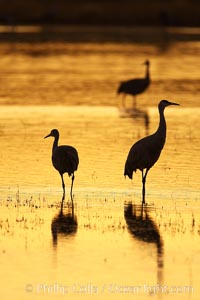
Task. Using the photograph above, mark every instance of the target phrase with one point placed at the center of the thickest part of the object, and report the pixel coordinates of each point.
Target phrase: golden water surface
(105, 246)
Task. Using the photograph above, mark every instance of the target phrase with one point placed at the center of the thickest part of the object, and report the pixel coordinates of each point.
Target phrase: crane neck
(161, 131)
(55, 143)
(147, 73)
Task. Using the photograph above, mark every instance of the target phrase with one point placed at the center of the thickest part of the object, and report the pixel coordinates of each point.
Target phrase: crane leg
(63, 186)
(123, 100)
(143, 185)
(63, 198)
(72, 187)
(134, 101)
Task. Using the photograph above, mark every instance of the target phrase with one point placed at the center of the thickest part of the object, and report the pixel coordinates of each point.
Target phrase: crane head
(54, 133)
(147, 62)
(165, 103)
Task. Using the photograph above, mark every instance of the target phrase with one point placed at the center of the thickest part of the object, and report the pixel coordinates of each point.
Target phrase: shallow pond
(105, 246)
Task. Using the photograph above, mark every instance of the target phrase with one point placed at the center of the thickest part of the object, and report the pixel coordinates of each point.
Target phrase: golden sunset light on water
(99, 84)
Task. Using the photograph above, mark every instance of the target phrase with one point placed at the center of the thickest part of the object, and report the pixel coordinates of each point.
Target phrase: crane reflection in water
(136, 114)
(143, 228)
(64, 224)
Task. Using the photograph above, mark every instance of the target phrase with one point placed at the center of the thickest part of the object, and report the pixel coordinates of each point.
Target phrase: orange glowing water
(98, 250)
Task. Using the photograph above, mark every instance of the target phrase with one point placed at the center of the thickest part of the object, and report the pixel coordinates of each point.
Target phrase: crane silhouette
(134, 86)
(145, 152)
(64, 159)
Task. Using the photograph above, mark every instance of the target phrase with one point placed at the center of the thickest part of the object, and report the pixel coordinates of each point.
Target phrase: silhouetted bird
(64, 159)
(145, 152)
(134, 86)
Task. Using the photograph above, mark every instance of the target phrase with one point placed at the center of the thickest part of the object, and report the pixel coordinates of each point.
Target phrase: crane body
(134, 86)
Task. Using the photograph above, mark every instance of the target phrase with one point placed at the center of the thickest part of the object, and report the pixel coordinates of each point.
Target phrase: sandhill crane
(145, 152)
(134, 86)
(64, 159)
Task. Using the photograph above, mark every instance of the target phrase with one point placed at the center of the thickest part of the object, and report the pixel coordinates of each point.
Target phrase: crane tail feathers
(128, 173)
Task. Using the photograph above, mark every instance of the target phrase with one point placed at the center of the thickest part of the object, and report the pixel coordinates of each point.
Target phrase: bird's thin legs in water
(63, 186)
(134, 101)
(63, 198)
(123, 100)
(143, 185)
(142, 210)
(72, 187)
(143, 188)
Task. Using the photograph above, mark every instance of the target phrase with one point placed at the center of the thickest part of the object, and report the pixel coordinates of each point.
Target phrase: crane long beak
(172, 103)
(47, 136)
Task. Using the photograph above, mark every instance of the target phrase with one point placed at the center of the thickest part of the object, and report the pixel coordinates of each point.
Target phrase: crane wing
(65, 159)
(143, 155)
